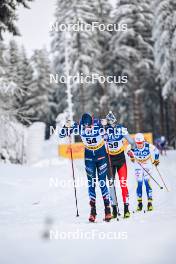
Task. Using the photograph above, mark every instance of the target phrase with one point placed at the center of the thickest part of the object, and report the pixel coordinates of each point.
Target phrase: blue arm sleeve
(154, 152)
(65, 131)
(130, 141)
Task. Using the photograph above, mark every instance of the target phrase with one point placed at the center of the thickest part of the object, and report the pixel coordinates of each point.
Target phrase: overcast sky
(34, 24)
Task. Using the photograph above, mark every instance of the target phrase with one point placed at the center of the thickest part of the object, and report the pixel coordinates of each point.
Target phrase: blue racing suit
(95, 158)
(143, 165)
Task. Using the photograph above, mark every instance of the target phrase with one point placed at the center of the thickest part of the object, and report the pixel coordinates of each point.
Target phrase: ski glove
(68, 124)
(132, 159)
(131, 155)
(156, 162)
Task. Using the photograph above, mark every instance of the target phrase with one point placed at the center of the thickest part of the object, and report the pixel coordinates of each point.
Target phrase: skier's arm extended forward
(154, 154)
(130, 140)
(68, 129)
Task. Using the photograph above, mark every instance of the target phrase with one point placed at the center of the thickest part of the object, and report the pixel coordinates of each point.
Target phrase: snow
(12, 140)
(31, 205)
(35, 139)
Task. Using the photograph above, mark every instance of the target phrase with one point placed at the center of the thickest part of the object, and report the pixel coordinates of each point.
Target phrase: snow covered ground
(38, 223)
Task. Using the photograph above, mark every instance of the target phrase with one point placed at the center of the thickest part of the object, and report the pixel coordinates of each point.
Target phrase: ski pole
(73, 174)
(112, 176)
(162, 178)
(150, 176)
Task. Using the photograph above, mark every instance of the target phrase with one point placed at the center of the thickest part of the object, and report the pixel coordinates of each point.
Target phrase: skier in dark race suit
(116, 133)
(95, 160)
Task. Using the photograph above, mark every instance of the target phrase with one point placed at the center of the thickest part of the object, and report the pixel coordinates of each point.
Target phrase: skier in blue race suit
(143, 156)
(91, 132)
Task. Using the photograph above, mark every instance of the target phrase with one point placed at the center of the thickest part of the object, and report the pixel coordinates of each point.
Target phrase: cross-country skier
(95, 160)
(161, 144)
(143, 156)
(116, 134)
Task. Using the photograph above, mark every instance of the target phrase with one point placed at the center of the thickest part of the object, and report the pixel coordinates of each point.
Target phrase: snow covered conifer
(164, 35)
(8, 15)
(132, 56)
(83, 50)
(37, 103)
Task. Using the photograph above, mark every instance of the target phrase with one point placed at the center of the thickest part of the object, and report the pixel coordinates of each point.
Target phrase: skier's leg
(111, 170)
(91, 177)
(122, 172)
(113, 196)
(147, 180)
(102, 173)
(90, 167)
(148, 187)
(139, 178)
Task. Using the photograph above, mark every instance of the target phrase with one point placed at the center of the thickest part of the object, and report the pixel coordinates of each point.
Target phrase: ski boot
(93, 212)
(140, 205)
(126, 210)
(149, 205)
(114, 211)
(108, 215)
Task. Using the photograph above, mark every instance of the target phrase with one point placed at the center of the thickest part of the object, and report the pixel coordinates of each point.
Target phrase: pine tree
(37, 103)
(8, 15)
(83, 50)
(14, 61)
(164, 34)
(11, 132)
(25, 82)
(58, 55)
(100, 100)
(132, 55)
(6, 92)
(84, 57)
(13, 74)
(3, 68)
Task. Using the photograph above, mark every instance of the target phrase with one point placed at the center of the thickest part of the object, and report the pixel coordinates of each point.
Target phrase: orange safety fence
(78, 148)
